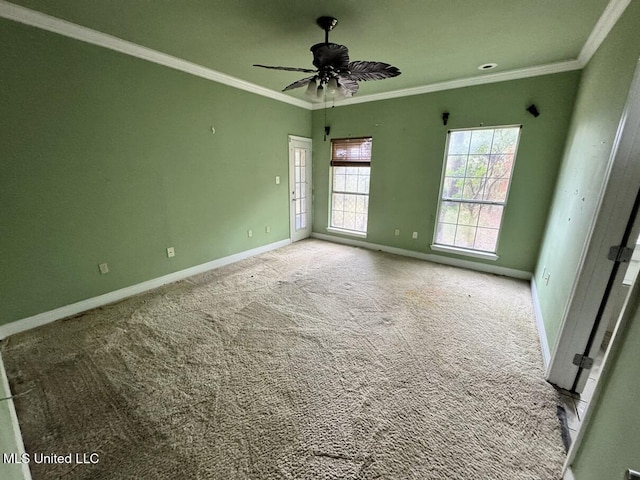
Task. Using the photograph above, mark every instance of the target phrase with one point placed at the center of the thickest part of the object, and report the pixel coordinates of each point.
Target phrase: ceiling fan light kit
(335, 74)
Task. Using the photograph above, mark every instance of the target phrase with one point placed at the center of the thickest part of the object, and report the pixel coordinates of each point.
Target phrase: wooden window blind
(351, 152)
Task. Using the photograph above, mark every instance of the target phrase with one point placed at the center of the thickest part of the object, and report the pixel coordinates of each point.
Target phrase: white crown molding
(547, 69)
(608, 19)
(44, 318)
(43, 21)
(611, 14)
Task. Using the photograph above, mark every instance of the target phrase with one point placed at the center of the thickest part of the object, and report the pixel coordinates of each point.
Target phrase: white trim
(75, 308)
(481, 267)
(568, 474)
(609, 17)
(536, 71)
(464, 251)
(351, 233)
(41, 20)
(611, 14)
(542, 333)
(15, 425)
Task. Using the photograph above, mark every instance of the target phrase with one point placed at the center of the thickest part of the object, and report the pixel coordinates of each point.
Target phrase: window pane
(349, 203)
(500, 166)
(363, 183)
(337, 218)
(497, 190)
(505, 140)
(449, 212)
(490, 216)
(486, 239)
(349, 220)
(477, 166)
(338, 201)
(452, 187)
(481, 141)
(469, 214)
(473, 189)
(339, 182)
(465, 236)
(459, 142)
(446, 234)
(456, 166)
(351, 184)
(361, 222)
(362, 204)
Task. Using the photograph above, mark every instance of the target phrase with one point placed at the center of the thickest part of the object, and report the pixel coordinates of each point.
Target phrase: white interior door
(300, 191)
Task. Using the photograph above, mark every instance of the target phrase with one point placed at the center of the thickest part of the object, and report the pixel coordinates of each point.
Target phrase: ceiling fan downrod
(327, 24)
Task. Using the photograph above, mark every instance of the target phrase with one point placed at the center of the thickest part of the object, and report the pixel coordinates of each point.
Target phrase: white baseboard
(84, 305)
(14, 426)
(455, 262)
(542, 334)
(568, 474)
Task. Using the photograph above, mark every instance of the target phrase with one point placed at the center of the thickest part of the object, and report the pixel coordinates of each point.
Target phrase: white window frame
(489, 255)
(332, 191)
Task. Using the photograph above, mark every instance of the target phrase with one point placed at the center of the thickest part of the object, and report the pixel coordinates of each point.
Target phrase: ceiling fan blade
(300, 83)
(288, 69)
(330, 55)
(364, 71)
(348, 86)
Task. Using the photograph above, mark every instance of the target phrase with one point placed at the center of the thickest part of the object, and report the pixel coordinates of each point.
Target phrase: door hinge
(620, 254)
(583, 361)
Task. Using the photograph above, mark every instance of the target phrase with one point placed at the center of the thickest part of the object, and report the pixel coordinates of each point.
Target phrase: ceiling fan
(334, 72)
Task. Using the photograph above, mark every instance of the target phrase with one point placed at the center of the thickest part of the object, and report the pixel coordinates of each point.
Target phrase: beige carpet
(316, 361)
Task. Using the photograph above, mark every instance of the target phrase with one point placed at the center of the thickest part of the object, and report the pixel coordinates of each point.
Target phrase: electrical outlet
(415, 235)
(171, 252)
(397, 232)
(267, 229)
(277, 179)
(250, 233)
(104, 268)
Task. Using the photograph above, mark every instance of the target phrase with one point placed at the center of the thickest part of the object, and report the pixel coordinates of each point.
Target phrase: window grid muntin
(510, 153)
(300, 181)
(360, 211)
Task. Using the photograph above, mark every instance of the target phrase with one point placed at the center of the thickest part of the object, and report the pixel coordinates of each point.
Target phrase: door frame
(607, 229)
(302, 142)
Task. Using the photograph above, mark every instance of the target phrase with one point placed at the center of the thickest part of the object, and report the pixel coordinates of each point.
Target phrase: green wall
(108, 158)
(599, 104)
(408, 149)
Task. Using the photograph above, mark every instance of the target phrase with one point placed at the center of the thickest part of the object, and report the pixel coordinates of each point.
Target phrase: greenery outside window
(350, 173)
(475, 186)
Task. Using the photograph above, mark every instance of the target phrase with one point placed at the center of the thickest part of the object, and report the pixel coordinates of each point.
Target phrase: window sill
(465, 252)
(351, 233)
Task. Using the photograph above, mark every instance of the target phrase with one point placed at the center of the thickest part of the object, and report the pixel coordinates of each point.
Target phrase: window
(350, 167)
(475, 185)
